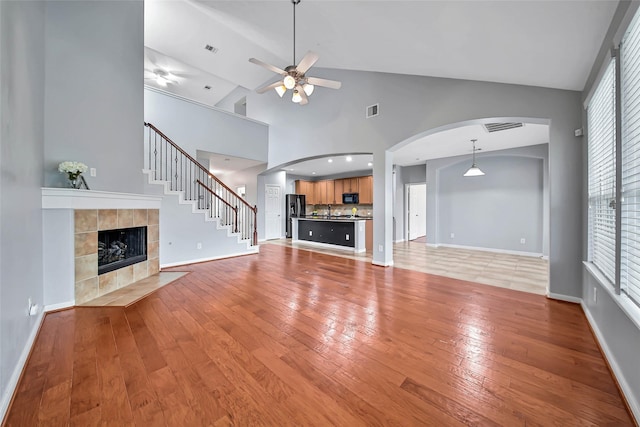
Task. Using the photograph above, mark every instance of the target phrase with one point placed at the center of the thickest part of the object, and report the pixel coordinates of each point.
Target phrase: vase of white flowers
(73, 171)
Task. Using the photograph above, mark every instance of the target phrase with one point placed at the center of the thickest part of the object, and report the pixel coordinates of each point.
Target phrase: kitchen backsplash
(342, 210)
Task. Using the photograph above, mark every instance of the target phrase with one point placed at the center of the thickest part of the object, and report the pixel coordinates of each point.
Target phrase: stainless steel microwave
(350, 198)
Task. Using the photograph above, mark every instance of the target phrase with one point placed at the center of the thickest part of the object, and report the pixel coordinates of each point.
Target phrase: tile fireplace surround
(72, 219)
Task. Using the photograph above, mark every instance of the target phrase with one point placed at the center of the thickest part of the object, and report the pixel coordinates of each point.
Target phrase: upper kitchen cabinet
(308, 189)
(365, 188)
(338, 189)
(349, 185)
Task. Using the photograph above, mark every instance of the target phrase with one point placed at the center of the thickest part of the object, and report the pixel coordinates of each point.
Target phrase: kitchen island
(347, 233)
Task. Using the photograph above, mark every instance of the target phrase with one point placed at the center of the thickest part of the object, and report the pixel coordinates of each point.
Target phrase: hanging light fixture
(473, 170)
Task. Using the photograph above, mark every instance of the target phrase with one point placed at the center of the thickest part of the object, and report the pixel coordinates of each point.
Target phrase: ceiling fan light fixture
(281, 90)
(289, 82)
(308, 88)
(296, 96)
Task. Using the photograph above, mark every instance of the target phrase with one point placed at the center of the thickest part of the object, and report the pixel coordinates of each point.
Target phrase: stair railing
(168, 162)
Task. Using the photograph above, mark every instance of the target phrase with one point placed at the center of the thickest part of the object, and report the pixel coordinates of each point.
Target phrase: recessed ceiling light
(313, 173)
(349, 158)
(369, 164)
(330, 160)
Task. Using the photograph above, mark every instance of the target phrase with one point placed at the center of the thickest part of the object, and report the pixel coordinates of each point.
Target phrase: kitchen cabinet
(337, 191)
(349, 185)
(308, 189)
(331, 194)
(320, 192)
(365, 186)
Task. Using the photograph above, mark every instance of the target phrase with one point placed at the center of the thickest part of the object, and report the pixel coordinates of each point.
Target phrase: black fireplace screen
(120, 248)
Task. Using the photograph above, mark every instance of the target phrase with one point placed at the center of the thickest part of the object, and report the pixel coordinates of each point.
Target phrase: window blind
(630, 214)
(601, 121)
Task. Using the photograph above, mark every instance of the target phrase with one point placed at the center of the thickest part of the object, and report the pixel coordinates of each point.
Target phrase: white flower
(72, 167)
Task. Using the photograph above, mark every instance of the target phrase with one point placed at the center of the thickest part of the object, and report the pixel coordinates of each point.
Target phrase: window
(601, 119)
(630, 147)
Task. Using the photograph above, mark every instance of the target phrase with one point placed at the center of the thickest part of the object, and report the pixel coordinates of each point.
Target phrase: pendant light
(473, 170)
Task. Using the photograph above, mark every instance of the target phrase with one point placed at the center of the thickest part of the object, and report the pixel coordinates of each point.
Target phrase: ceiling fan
(160, 76)
(294, 77)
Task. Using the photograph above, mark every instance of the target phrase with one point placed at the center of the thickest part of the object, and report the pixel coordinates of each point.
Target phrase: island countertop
(338, 232)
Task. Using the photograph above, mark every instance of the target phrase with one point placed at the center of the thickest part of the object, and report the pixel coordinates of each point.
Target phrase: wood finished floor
(293, 337)
(519, 272)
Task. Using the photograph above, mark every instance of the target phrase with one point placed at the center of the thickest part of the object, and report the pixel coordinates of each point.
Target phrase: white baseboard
(382, 264)
(20, 365)
(398, 241)
(617, 372)
(499, 251)
(195, 261)
(433, 245)
(566, 298)
(59, 306)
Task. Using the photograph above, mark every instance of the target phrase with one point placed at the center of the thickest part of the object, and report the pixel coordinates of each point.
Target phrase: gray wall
(617, 334)
(495, 210)
(194, 126)
(248, 178)
(334, 121)
(22, 90)
(94, 100)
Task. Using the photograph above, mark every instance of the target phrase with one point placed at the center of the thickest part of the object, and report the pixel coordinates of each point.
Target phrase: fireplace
(120, 248)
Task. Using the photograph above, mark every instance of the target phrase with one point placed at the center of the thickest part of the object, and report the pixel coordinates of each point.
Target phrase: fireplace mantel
(72, 219)
(70, 198)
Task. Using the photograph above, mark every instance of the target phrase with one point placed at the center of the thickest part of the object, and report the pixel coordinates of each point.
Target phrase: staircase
(196, 191)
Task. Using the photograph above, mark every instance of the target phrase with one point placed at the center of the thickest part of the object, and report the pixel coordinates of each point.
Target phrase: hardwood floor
(293, 337)
(519, 272)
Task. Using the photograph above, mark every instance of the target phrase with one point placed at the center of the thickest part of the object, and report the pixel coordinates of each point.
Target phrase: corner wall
(22, 90)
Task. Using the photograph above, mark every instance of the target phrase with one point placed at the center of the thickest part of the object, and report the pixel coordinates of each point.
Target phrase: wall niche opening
(121, 248)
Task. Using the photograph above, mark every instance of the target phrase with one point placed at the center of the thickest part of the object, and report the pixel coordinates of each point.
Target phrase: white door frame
(406, 207)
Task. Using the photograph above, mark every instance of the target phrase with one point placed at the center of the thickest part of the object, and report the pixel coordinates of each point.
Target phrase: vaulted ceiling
(539, 43)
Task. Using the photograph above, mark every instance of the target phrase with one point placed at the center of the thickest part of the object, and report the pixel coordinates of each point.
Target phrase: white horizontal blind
(630, 215)
(601, 121)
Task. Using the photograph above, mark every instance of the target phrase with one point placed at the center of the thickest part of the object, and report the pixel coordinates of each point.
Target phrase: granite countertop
(334, 218)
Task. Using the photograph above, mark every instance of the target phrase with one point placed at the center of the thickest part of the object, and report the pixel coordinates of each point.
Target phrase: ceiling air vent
(497, 127)
(373, 110)
(211, 48)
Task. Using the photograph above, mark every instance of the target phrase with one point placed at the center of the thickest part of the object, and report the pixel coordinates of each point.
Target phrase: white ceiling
(221, 165)
(539, 43)
(339, 164)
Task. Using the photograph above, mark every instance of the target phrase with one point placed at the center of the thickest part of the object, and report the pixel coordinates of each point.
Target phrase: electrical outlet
(92, 171)
(595, 295)
(379, 248)
(347, 237)
(198, 245)
(310, 233)
(453, 235)
(522, 241)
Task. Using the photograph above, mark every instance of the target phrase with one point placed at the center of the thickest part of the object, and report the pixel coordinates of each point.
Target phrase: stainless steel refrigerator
(295, 208)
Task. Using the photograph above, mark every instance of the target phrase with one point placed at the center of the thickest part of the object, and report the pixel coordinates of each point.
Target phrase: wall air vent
(497, 127)
(373, 110)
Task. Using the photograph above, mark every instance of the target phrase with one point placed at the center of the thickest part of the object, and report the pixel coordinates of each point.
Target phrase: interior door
(417, 210)
(273, 212)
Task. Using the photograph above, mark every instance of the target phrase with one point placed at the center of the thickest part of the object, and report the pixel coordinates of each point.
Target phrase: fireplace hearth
(120, 248)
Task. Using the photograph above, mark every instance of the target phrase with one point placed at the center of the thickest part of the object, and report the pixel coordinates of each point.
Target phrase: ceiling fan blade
(331, 84)
(269, 87)
(304, 100)
(307, 62)
(268, 66)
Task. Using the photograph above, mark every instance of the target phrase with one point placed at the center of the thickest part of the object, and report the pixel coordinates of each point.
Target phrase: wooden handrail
(184, 153)
(235, 208)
